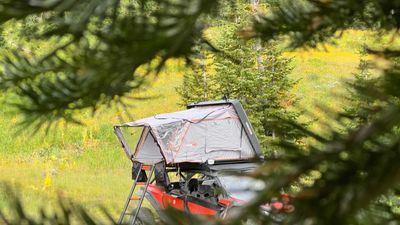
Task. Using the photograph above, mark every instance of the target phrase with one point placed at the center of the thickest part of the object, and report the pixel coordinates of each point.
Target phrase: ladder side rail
(143, 194)
(128, 200)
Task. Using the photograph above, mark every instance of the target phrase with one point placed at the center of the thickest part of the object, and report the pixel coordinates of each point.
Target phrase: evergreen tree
(255, 74)
(357, 101)
(359, 110)
(1, 37)
(198, 83)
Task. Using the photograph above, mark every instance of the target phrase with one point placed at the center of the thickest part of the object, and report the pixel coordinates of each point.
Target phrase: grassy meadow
(86, 163)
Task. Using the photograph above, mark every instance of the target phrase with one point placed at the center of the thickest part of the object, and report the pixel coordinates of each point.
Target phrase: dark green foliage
(256, 76)
(355, 167)
(313, 22)
(361, 112)
(1, 37)
(98, 47)
(264, 93)
(198, 84)
(359, 165)
(359, 102)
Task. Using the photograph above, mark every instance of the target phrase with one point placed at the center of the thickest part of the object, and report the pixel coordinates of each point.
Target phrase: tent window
(172, 134)
(131, 136)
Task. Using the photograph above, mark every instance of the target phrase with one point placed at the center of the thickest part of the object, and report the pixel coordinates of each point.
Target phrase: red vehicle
(185, 160)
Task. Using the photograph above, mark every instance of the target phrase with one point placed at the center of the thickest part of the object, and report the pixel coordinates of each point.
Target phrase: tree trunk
(257, 45)
(258, 49)
(204, 75)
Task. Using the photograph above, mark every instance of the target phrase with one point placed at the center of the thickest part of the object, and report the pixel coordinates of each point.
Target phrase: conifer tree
(255, 74)
(198, 83)
(358, 101)
(359, 110)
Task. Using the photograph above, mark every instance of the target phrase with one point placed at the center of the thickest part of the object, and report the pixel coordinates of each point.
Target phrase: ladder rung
(146, 167)
(142, 194)
(135, 198)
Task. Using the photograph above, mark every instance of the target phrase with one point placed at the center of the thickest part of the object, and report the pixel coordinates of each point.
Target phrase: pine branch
(315, 21)
(93, 66)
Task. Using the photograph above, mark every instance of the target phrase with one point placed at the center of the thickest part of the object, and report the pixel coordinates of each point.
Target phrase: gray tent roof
(192, 115)
(194, 135)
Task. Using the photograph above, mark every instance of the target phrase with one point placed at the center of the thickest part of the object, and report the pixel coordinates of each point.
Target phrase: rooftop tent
(206, 131)
(148, 151)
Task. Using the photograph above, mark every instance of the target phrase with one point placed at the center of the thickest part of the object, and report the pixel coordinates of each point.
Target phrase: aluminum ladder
(141, 197)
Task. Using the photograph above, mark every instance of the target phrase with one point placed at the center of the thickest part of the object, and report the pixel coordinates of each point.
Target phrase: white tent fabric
(194, 135)
(148, 151)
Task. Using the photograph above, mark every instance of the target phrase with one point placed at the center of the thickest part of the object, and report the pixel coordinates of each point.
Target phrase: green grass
(86, 163)
(323, 74)
(83, 163)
